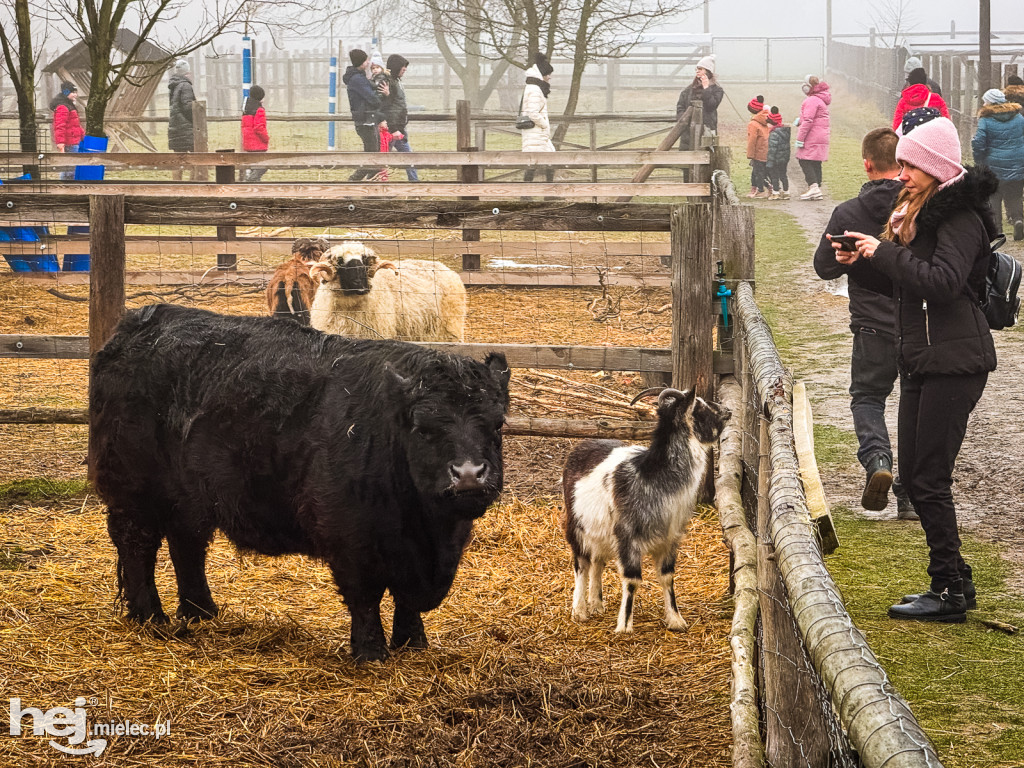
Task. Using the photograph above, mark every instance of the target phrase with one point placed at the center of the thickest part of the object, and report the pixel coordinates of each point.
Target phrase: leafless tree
(892, 20)
(20, 63)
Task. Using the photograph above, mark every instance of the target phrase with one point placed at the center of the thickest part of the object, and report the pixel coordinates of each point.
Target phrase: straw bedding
(509, 680)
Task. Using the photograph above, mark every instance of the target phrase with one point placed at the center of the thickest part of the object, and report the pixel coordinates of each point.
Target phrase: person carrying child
(757, 147)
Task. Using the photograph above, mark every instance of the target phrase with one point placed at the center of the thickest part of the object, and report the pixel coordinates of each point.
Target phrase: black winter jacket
(396, 111)
(778, 147)
(938, 279)
(364, 101)
(871, 304)
(710, 97)
(180, 134)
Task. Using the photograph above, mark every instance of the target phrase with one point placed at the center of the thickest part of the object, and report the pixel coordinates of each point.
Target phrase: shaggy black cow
(374, 456)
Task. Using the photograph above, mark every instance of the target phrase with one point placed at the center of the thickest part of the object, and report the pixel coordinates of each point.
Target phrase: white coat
(535, 106)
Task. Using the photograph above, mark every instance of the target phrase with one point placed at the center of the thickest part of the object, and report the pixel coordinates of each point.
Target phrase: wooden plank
(241, 193)
(198, 209)
(44, 416)
(803, 438)
(44, 347)
(484, 279)
(281, 246)
(330, 160)
(107, 260)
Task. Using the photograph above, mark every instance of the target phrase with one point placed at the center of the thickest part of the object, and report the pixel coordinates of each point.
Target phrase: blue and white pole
(248, 48)
(332, 101)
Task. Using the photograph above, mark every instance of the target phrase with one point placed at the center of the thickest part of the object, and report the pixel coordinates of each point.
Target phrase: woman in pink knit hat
(935, 251)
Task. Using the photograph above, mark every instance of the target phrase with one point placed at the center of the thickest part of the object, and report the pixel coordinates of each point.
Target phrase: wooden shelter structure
(134, 93)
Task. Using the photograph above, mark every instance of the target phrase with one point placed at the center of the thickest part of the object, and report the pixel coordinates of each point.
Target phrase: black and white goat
(626, 501)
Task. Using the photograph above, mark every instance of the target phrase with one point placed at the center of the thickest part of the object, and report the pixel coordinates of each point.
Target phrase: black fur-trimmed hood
(972, 192)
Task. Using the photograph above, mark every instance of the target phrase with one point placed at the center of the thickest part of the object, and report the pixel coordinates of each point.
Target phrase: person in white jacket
(535, 107)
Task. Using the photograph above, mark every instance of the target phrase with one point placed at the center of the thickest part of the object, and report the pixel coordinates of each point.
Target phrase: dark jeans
(932, 423)
(872, 376)
(812, 171)
(1010, 195)
(402, 145)
(779, 178)
(758, 174)
(371, 143)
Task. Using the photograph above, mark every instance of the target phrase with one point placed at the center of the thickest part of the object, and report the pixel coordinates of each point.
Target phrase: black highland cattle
(373, 456)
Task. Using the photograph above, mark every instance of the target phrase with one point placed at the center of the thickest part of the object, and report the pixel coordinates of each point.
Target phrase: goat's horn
(669, 392)
(647, 392)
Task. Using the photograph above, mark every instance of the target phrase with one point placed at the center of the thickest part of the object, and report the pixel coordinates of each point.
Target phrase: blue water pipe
(724, 294)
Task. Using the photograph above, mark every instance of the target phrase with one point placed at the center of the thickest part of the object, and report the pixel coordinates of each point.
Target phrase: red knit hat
(756, 104)
(775, 117)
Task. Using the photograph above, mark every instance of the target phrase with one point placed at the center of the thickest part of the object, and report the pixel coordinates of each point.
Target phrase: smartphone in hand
(846, 242)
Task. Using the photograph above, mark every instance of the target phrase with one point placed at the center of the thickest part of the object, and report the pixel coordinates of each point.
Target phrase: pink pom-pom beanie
(934, 147)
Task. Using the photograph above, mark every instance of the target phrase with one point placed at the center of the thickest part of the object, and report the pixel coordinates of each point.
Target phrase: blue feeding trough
(28, 262)
(91, 172)
(76, 262)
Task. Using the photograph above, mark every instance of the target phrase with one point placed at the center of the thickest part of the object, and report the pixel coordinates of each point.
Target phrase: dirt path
(989, 478)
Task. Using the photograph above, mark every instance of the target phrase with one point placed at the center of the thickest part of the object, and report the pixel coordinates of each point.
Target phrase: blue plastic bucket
(76, 262)
(91, 172)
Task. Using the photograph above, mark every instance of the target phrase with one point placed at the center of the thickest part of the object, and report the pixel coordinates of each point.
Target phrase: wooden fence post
(692, 296)
(200, 130)
(468, 174)
(106, 267)
(225, 174)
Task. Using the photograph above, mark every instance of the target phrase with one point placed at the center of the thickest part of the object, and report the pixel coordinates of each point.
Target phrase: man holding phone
(873, 370)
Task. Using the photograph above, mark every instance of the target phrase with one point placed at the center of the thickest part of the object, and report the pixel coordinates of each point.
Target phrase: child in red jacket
(67, 127)
(254, 130)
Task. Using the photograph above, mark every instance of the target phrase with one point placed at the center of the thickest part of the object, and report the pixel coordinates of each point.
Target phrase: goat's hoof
(676, 624)
(596, 609)
(623, 630)
(580, 616)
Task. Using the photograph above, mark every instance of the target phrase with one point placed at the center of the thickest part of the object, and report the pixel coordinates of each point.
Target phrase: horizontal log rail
(296, 160)
(281, 246)
(346, 190)
(544, 356)
(514, 424)
(199, 206)
(480, 279)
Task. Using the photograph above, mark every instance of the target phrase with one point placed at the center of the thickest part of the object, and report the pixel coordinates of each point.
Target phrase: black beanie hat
(543, 65)
(396, 62)
(1014, 80)
(357, 57)
(257, 93)
(918, 77)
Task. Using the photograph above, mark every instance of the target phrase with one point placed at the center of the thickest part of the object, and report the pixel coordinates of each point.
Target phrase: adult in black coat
(180, 125)
(935, 249)
(365, 103)
(704, 88)
(873, 369)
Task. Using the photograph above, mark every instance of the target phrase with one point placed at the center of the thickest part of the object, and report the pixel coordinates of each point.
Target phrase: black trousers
(933, 420)
(812, 171)
(371, 143)
(873, 375)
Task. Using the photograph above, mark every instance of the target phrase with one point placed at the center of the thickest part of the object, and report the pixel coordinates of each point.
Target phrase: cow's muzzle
(469, 477)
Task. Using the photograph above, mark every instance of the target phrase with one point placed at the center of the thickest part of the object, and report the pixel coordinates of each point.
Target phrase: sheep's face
(351, 265)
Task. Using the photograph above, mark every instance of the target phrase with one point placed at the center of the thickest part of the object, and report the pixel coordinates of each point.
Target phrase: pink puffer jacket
(814, 130)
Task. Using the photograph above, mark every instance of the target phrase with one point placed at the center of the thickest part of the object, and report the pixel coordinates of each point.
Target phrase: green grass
(963, 682)
(40, 489)
(833, 447)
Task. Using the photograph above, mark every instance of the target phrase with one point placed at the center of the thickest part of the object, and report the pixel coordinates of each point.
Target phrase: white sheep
(626, 501)
(362, 297)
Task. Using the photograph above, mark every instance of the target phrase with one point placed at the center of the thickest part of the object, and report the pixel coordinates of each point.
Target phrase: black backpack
(1000, 302)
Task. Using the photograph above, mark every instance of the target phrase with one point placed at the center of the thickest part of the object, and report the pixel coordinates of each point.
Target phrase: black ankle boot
(948, 607)
(970, 596)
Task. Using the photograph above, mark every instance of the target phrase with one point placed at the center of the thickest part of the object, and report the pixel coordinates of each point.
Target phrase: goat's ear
(680, 400)
(499, 367)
